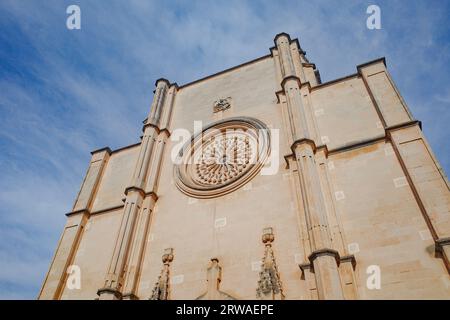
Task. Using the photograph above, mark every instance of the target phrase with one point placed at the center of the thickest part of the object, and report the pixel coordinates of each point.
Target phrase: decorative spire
(269, 283)
(161, 288)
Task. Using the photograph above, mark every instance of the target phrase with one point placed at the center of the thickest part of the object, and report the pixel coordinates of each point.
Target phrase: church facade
(262, 182)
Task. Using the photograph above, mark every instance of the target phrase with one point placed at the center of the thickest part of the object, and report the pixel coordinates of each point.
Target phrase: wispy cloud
(64, 93)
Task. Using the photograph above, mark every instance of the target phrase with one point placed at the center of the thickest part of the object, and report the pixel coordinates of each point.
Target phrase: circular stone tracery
(222, 158)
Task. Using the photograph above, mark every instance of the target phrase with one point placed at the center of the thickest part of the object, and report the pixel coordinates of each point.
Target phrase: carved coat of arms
(222, 104)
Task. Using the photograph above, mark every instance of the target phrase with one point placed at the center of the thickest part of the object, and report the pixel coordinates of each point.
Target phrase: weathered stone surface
(357, 186)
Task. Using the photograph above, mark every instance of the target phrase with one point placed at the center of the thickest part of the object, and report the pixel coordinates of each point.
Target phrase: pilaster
(121, 281)
(114, 280)
(385, 96)
(427, 181)
(323, 259)
(134, 265)
(422, 170)
(154, 171)
(56, 277)
(162, 86)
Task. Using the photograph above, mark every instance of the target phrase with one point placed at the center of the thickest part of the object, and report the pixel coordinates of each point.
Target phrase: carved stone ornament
(161, 288)
(222, 158)
(213, 278)
(222, 104)
(269, 283)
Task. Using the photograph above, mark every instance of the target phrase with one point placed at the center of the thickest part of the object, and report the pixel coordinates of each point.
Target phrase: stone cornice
(169, 84)
(281, 34)
(290, 42)
(166, 131)
(151, 125)
(349, 258)
(141, 191)
(130, 296)
(305, 266)
(315, 149)
(334, 81)
(152, 194)
(441, 242)
(158, 129)
(285, 79)
(81, 211)
(357, 144)
(403, 125)
(107, 149)
(350, 76)
(324, 252)
(361, 66)
(107, 209)
(286, 159)
(279, 93)
(309, 65)
(301, 85)
(354, 145)
(72, 213)
(162, 80)
(306, 84)
(302, 141)
(136, 189)
(126, 147)
(225, 71)
(111, 291)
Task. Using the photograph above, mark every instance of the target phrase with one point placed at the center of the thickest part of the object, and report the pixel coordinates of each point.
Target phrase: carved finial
(268, 236)
(269, 283)
(167, 256)
(161, 288)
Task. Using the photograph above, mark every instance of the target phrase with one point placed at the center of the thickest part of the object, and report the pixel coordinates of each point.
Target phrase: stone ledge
(157, 128)
(116, 293)
(107, 149)
(285, 79)
(130, 296)
(72, 213)
(360, 66)
(441, 242)
(326, 251)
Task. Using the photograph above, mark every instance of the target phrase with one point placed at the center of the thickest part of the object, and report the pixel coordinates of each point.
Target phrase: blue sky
(66, 92)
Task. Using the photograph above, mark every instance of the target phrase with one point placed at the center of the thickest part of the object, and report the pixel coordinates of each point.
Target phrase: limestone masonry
(322, 191)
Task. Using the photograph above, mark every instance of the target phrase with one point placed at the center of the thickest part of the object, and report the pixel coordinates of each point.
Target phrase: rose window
(223, 157)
